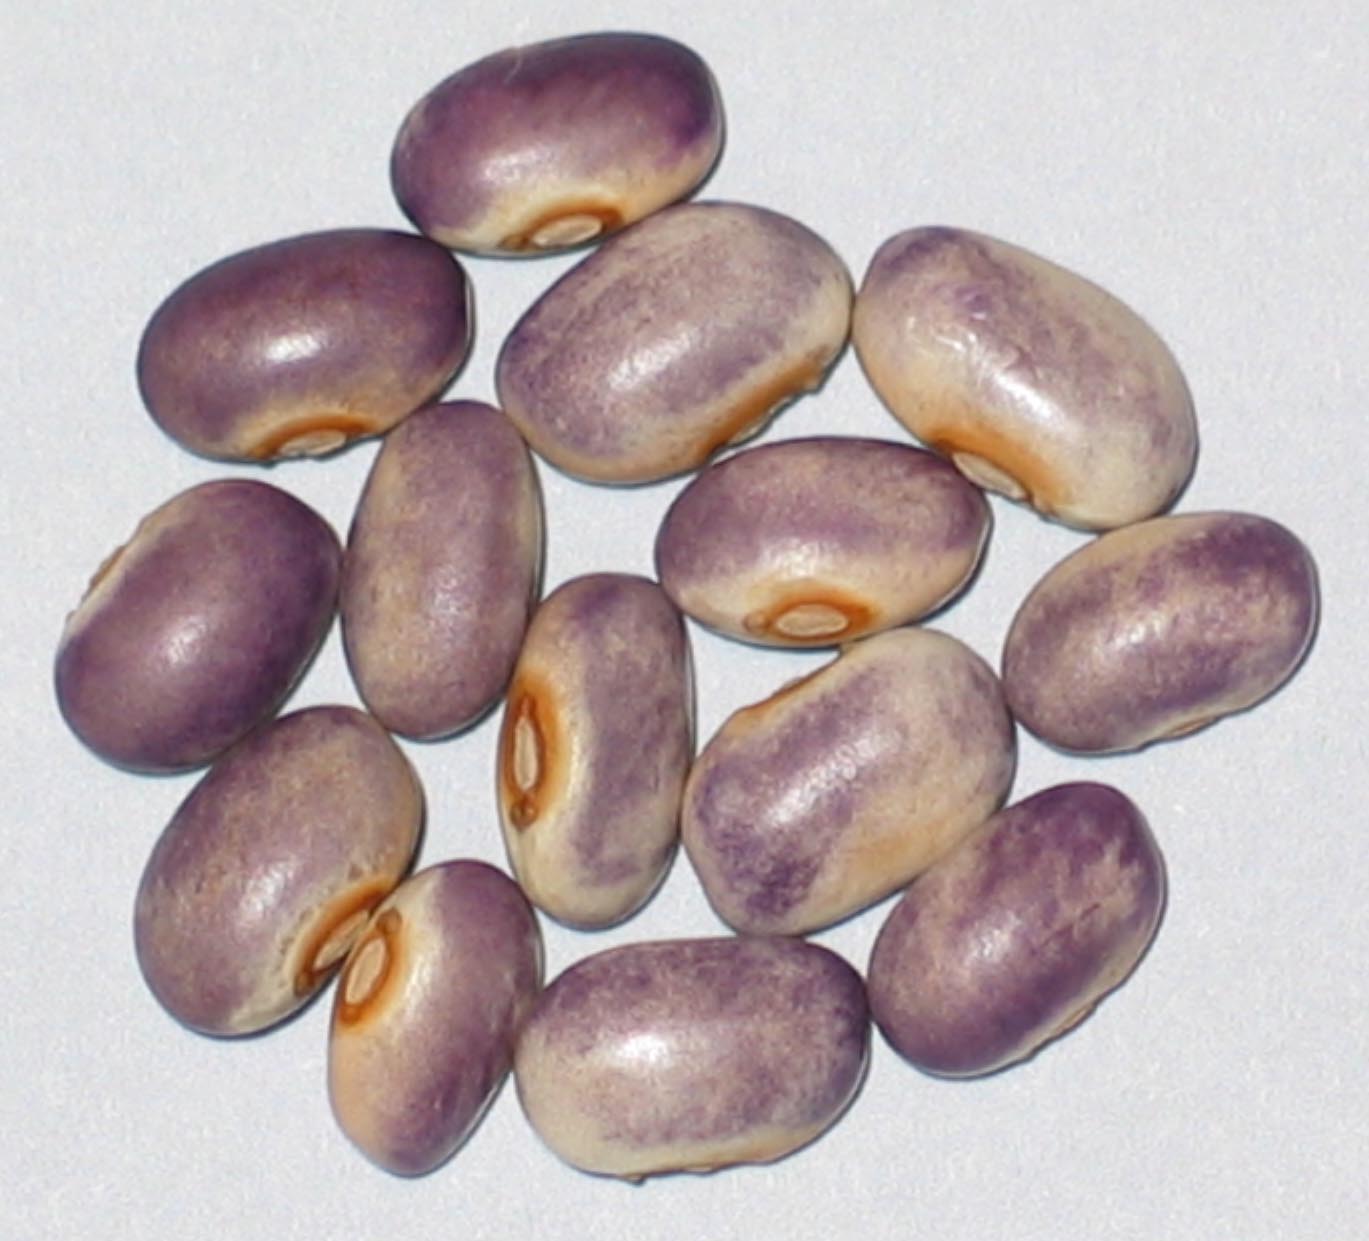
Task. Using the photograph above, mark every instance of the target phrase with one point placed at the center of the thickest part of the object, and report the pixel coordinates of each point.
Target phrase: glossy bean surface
(1034, 381)
(426, 1010)
(596, 742)
(300, 346)
(1156, 630)
(199, 626)
(681, 334)
(442, 569)
(1013, 937)
(268, 870)
(816, 541)
(838, 789)
(692, 1055)
(549, 145)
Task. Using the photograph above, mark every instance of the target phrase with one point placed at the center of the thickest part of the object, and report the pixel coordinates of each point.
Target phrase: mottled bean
(596, 741)
(271, 866)
(298, 347)
(692, 1055)
(679, 335)
(1013, 937)
(546, 146)
(199, 626)
(816, 541)
(442, 569)
(1034, 381)
(837, 790)
(426, 1010)
(1158, 629)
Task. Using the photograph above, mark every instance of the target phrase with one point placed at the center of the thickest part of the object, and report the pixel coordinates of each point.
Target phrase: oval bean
(1013, 937)
(815, 541)
(269, 869)
(199, 626)
(680, 335)
(1034, 381)
(442, 569)
(298, 347)
(692, 1055)
(1159, 629)
(840, 788)
(596, 741)
(426, 1010)
(542, 147)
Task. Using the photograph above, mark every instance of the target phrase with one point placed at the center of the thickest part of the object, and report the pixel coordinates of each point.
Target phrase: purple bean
(680, 335)
(816, 541)
(199, 626)
(1034, 381)
(442, 569)
(595, 746)
(840, 788)
(298, 347)
(426, 1011)
(269, 869)
(1158, 629)
(542, 147)
(1013, 937)
(692, 1055)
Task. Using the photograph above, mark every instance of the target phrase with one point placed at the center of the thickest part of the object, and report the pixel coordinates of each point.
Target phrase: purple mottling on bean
(818, 541)
(442, 569)
(304, 344)
(819, 801)
(198, 628)
(596, 742)
(426, 1013)
(264, 875)
(679, 335)
(1158, 629)
(514, 152)
(1035, 381)
(692, 1054)
(1015, 935)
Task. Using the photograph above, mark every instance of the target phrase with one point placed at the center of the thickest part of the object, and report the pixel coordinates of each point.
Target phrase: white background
(1205, 161)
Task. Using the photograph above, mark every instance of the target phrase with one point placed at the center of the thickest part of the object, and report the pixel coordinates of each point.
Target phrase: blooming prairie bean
(837, 790)
(815, 541)
(692, 1055)
(1033, 380)
(679, 335)
(426, 1010)
(299, 347)
(442, 568)
(596, 741)
(270, 867)
(199, 626)
(1014, 936)
(548, 145)
(1158, 629)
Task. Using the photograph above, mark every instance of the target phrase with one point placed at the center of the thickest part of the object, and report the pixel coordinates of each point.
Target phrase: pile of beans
(886, 769)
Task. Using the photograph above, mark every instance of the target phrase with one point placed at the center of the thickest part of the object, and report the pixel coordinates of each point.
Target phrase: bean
(596, 741)
(681, 334)
(1159, 629)
(442, 569)
(1013, 937)
(840, 788)
(815, 541)
(692, 1055)
(269, 869)
(198, 627)
(1034, 381)
(426, 1010)
(543, 147)
(299, 347)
